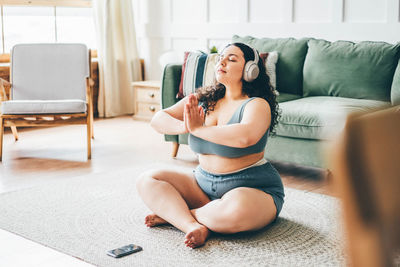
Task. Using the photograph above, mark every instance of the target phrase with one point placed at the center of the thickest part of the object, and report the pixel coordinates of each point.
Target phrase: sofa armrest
(169, 88)
(170, 84)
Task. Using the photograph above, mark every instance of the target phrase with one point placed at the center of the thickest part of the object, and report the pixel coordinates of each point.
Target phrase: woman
(234, 188)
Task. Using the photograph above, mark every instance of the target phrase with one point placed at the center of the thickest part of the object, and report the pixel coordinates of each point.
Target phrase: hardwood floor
(47, 154)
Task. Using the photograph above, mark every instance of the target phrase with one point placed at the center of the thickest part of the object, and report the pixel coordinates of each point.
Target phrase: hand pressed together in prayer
(193, 114)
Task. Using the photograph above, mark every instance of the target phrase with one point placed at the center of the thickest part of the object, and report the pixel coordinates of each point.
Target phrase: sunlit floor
(57, 153)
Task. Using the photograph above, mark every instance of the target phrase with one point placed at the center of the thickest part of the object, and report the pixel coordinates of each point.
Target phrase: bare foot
(152, 220)
(197, 236)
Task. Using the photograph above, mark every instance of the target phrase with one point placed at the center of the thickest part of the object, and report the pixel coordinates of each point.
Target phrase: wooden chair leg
(89, 139)
(175, 147)
(91, 128)
(15, 133)
(1, 137)
(91, 121)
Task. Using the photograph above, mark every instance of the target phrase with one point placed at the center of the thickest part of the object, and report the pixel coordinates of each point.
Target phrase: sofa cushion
(395, 92)
(289, 69)
(357, 70)
(283, 97)
(320, 117)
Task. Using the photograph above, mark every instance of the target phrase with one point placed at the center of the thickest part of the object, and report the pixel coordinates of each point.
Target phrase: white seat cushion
(43, 106)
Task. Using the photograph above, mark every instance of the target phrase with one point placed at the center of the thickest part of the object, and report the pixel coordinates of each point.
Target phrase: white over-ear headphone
(251, 70)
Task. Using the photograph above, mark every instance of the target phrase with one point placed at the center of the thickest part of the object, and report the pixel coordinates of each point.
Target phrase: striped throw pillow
(197, 71)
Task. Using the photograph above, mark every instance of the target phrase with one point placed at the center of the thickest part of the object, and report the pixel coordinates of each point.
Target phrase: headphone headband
(256, 57)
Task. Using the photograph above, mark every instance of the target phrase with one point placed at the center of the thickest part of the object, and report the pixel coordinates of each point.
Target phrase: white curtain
(119, 63)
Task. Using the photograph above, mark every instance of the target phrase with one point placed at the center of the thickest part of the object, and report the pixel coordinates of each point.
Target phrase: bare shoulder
(258, 104)
(257, 113)
(257, 110)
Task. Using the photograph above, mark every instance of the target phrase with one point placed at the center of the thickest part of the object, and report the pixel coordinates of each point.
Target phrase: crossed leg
(176, 198)
(171, 195)
(240, 209)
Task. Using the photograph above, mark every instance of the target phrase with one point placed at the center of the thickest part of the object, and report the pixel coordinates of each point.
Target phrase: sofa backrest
(289, 69)
(395, 92)
(357, 70)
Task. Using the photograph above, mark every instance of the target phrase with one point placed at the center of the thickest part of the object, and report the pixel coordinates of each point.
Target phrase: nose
(222, 61)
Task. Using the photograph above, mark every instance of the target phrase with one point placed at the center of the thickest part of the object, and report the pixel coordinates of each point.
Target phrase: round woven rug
(89, 215)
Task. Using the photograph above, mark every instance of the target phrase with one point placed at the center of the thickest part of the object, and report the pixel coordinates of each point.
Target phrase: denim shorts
(263, 177)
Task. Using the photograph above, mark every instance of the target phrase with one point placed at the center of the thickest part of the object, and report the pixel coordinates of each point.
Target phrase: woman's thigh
(250, 208)
(185, 183)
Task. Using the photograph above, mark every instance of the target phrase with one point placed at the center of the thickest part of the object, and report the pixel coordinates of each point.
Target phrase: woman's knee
(234, 215)
(227, 218)
(147, 178)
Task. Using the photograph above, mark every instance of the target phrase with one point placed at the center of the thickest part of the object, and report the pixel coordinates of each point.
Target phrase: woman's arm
(255, 122)
(170, 120)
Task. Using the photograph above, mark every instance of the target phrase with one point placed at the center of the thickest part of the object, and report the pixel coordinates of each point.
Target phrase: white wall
(181, 25)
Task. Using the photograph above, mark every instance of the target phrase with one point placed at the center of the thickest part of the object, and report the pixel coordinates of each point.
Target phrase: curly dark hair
(260, 87)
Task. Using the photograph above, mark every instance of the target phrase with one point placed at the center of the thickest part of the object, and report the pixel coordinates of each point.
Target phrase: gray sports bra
(202, 146)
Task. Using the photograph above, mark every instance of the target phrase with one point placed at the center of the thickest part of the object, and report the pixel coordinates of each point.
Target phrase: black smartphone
(123, 251)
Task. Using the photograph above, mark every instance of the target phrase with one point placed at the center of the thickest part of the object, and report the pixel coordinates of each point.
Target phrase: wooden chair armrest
(5, 89)
(89, 84)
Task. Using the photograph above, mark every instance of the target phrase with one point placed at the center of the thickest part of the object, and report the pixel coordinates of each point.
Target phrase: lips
(219, 70)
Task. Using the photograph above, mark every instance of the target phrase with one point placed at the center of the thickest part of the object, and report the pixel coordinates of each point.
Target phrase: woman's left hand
(194, 114)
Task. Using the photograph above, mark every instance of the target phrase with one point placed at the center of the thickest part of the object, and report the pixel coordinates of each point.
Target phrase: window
(75, 25)
(35, 21)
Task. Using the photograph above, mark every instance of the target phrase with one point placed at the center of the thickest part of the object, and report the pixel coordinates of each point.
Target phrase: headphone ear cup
(254, 71)
(251, 71)
(245, 71)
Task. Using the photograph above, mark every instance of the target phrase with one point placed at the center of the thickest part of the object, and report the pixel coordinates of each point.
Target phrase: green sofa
(319, 84)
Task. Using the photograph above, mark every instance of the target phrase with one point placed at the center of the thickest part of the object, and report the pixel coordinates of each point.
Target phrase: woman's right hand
(193, 114)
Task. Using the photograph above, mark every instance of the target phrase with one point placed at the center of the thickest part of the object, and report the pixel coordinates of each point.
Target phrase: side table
(147, 99)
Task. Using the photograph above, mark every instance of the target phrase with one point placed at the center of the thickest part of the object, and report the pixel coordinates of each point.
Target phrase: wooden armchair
(50, 85)
(5, 88)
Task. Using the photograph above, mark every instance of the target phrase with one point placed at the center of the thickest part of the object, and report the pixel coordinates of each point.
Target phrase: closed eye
(230, 58)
